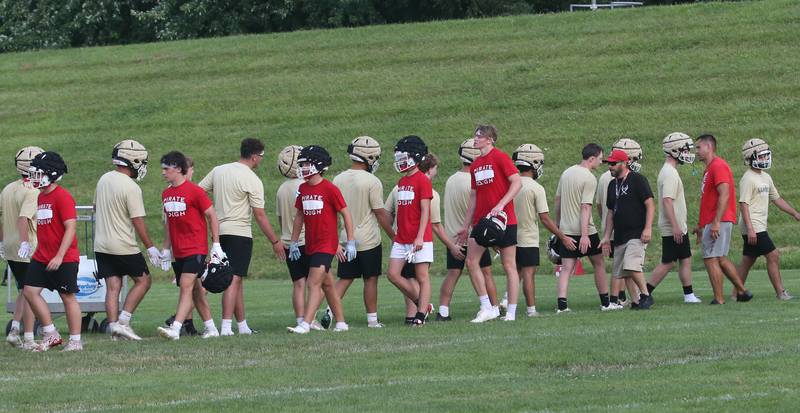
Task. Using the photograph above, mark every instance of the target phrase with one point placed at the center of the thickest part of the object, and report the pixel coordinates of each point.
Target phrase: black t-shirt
(626, 201)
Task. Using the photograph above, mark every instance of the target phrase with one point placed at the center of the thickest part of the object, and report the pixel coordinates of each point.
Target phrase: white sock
(372, 317)
(226, 325)
(28, 336)
(531, 309)
(485, 303)
(341, 324)
(243, 327)
(48, 328)
(112, 325)
(125, 317)
(74, 337)
(210, 326)
(176, 326)
(14, 324)
(512, 311)
(300, 320)
(444, 311)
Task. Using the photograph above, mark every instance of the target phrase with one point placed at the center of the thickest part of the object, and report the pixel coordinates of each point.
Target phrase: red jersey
(717, 172)
(55, 208)
(320, 203)
(411, 190)
(184, 207)
(490, 182)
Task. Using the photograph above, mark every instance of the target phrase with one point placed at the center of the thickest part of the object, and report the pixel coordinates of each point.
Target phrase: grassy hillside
(555, 80)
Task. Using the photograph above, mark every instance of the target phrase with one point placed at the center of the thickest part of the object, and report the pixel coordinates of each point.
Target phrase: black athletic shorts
(527, 256)
(110, 265)
(297, 269)
(671, 251)
(366, 265)
(62, 280)
(193, 264)
(409, 270)
(763, 245)
(454, 264)
(509, 238)
(594, 247)
(19, 269)
(320, 259)
(239, 251)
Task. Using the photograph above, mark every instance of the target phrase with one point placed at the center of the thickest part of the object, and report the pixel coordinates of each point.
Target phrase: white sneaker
(784, 296)
(226, 333)
(168, 333)
(29, 345)
(566, 310)
(316, 326)
(73, 345)
(49, 341)
(509, 318)
(691, 299)
(297, 330)
(375, 324)
(484, 316)
(210, 333)
(339, 329)
(611, 307)
(248, 332)
(13, 338)
(532, 313)
(124, 331)
(496, 310)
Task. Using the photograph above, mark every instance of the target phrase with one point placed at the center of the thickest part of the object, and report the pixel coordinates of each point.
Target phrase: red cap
(617, 155)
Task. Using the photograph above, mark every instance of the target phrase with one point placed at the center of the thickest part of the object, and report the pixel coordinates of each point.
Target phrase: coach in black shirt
(631, 211)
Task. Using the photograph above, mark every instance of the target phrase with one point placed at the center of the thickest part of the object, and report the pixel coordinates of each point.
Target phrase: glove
(153, 254)
(294, 251)
(217, 254)
(166, 259)
(2, 251)
(25, 250)
(350, 250)
(410, 255)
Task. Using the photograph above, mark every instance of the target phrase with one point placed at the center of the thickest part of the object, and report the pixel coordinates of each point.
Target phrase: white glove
(350, 250)
(217, 253)
(25, 250)
(2, 251)
(410, 255)
(294, 251)
(154, 255)
(166, 259)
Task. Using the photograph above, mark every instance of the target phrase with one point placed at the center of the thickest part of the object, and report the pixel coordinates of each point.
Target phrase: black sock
(622, 295)
(562, 303)
(409, 320)
(420, 316)
(688, 290)
(651, 288)
(614, 299)
(604, 300)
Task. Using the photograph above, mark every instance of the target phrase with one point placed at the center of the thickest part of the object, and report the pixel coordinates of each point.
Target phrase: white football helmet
(366, 150)
(679, 146)
(756, 153)
(287, 161)
(468, 152)
(133, 155)
(530, 155)
(634, 151)
(23, 159)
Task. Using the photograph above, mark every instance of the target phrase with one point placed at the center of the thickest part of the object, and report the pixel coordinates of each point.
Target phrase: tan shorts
(628, 257)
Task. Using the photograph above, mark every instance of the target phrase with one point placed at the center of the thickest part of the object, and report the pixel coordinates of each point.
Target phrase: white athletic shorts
(401, 251)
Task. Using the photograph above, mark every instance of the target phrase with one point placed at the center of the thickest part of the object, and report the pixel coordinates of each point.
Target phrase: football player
(18, 205)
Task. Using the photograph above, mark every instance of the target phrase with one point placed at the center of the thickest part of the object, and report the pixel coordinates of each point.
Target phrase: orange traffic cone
(579, 268)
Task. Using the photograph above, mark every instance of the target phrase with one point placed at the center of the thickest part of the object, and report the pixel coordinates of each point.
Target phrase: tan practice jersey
(236, 189)
(436, 208)
(456, 201)
(284, 206)
(576, 187)
(362, 192)
(756, 190)
(391, 204)
(17, 200)
(529, 203)
(117, 199)
(600, 197)
(670, 185)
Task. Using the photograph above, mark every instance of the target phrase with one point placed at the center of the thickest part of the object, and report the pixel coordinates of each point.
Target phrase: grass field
(558, 80)
(675, 357)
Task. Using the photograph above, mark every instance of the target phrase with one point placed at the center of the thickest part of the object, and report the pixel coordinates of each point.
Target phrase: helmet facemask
(762, 160)
(687, 155)
(403, 162)
(138, 173)
(305, 170)
(38, 179)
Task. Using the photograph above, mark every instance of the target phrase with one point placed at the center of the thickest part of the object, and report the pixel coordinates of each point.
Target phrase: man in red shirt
(318, 202)
(54, 265)
(413, 241)
(186, 208)
(495, 184)
(717, 216)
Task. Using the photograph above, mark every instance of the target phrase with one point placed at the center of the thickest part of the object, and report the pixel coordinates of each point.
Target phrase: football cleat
(168, 333)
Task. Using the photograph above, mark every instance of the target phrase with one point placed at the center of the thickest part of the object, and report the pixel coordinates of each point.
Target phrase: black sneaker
(634, 306)
(715, 302)
(188, 328)
(169, 320)
(409, 320)
(439, 317)
(745, 297)
(646, 303)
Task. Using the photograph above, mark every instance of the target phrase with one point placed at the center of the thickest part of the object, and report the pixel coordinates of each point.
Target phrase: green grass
(558, 80)
(675, 357)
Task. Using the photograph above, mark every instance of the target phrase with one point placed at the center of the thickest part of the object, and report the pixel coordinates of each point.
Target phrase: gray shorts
(715, 248)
